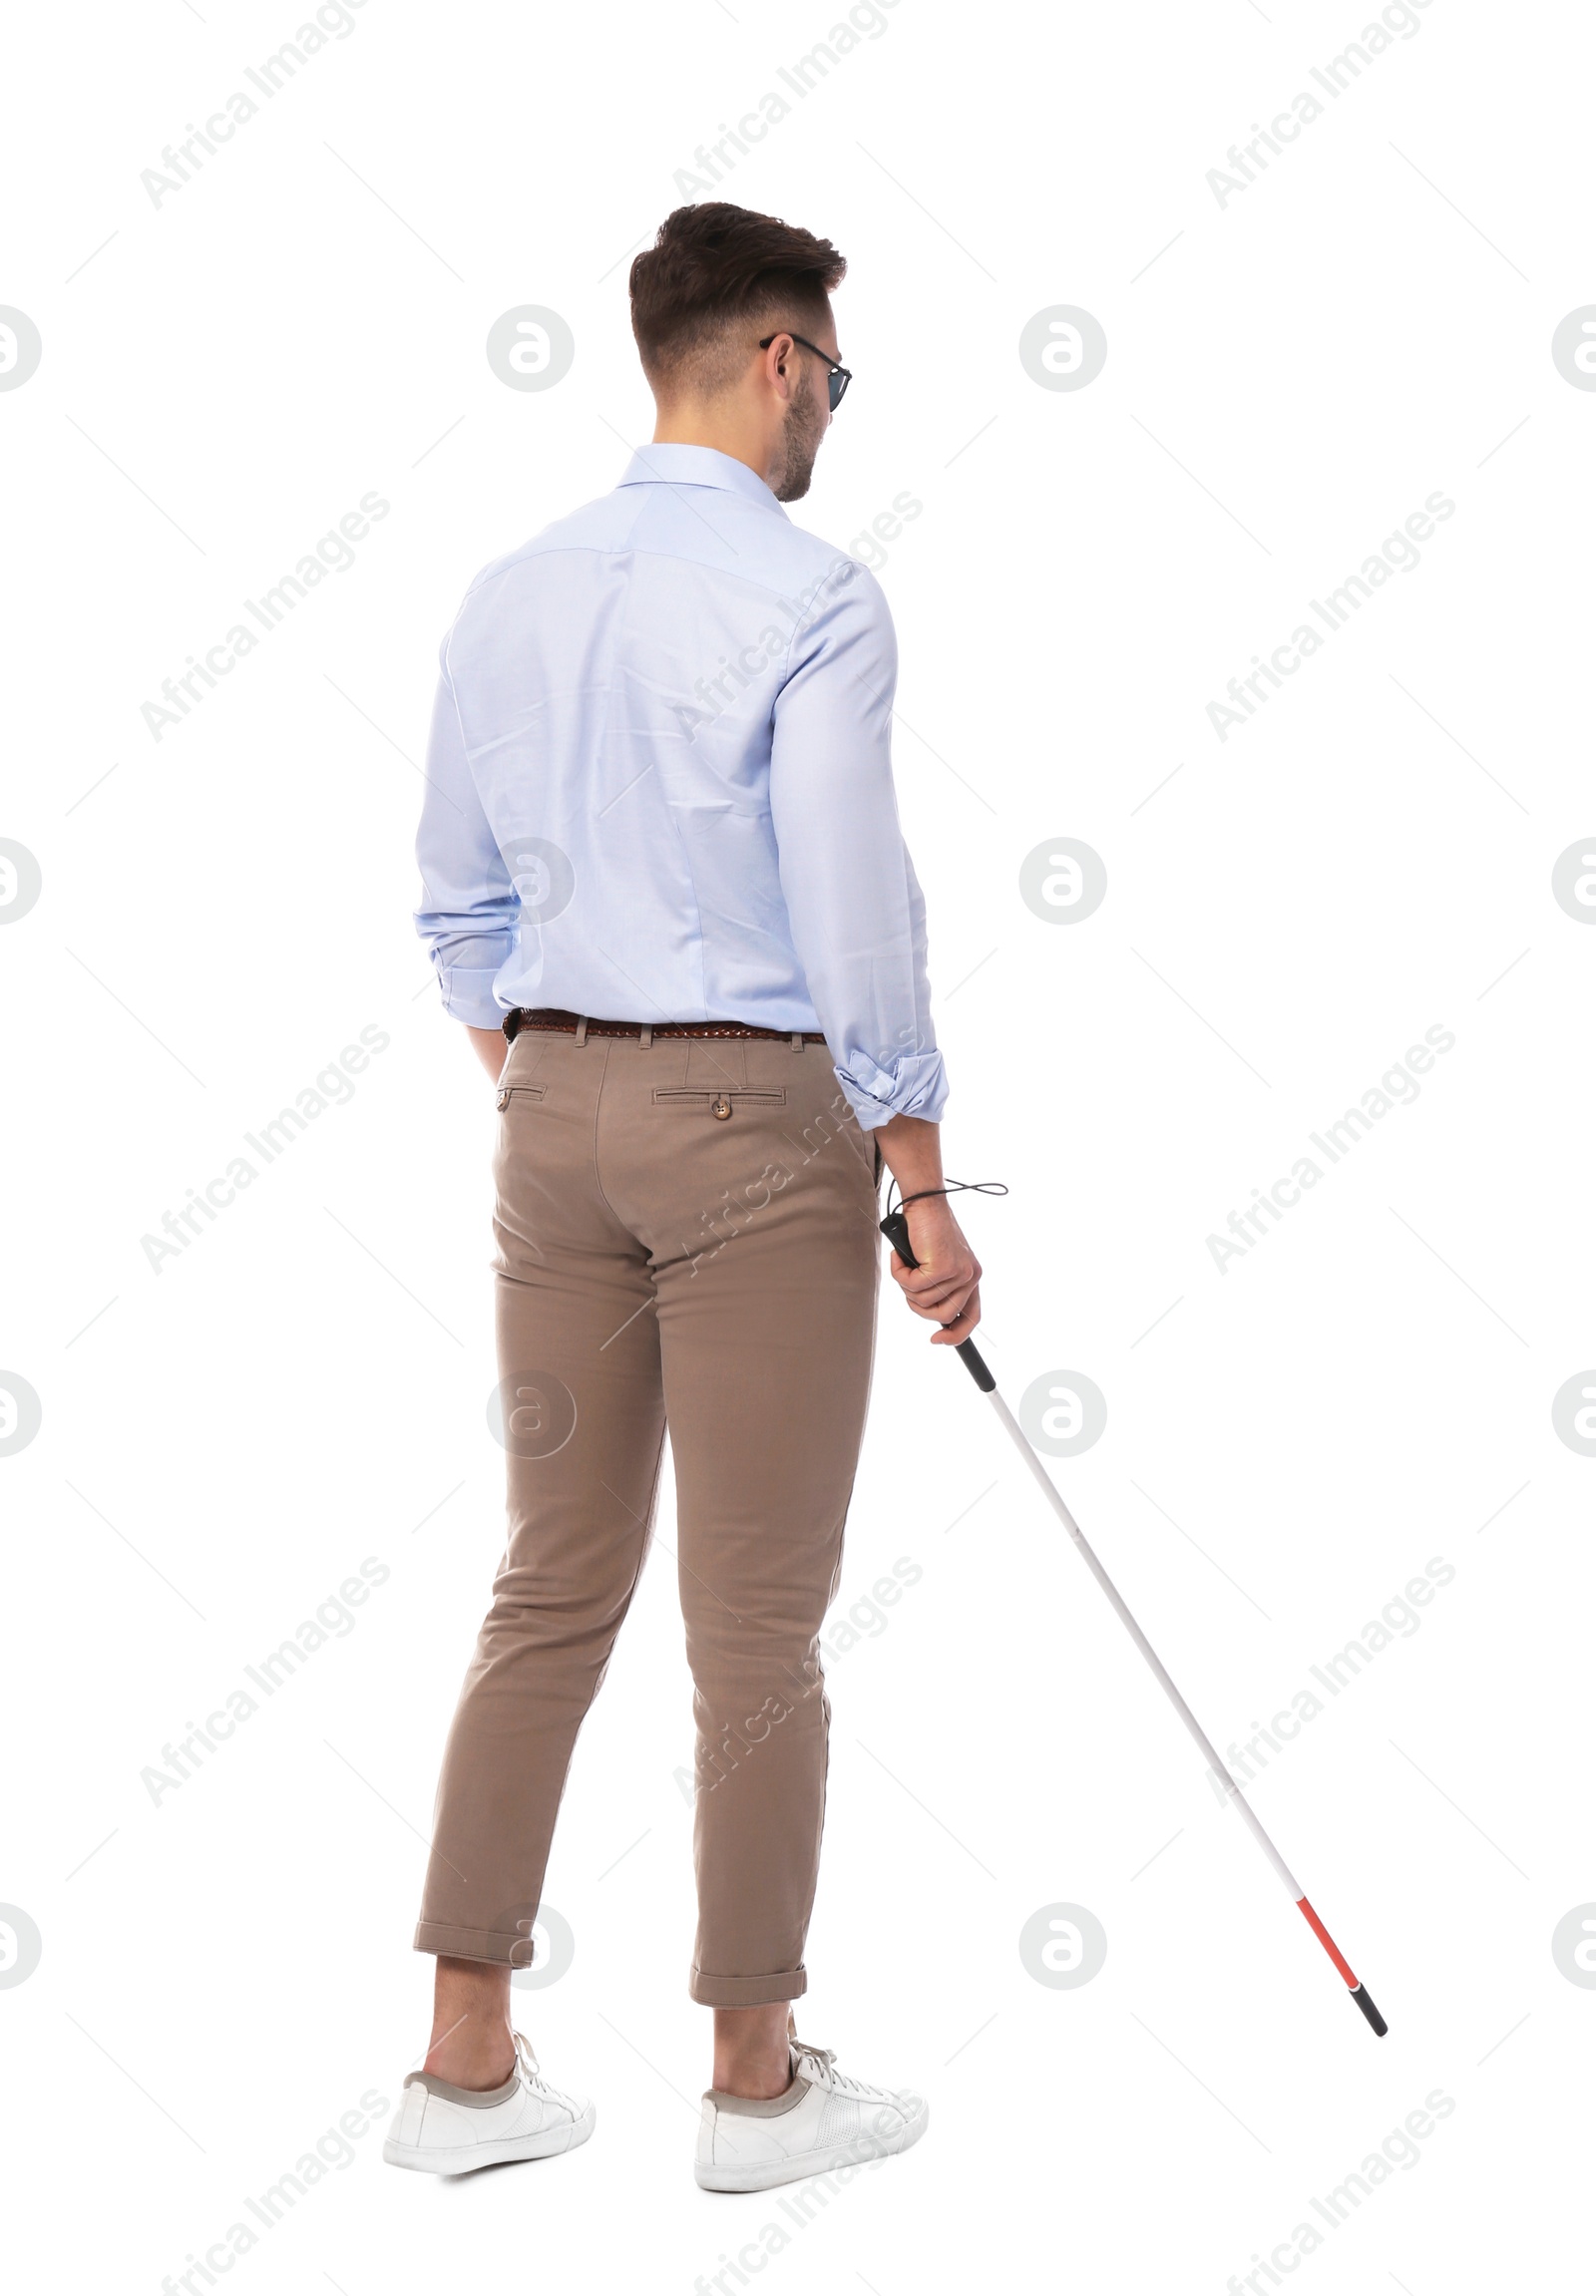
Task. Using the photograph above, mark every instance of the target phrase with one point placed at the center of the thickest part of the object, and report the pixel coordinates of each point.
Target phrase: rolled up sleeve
(857, 915)
(470, 915)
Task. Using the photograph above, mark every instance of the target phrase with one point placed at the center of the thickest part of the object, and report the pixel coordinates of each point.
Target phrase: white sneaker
(825, 2120)
(451, 2131)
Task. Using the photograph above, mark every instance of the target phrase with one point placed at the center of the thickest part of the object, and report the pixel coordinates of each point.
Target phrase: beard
(802, 431)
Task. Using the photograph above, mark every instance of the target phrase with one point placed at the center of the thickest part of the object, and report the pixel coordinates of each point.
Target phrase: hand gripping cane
(895, 1230)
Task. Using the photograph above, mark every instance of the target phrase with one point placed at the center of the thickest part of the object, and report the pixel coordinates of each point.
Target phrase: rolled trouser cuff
(497, 1945)
(746, 1992)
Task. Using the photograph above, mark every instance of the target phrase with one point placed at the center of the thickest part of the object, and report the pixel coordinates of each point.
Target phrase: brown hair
(716, 270)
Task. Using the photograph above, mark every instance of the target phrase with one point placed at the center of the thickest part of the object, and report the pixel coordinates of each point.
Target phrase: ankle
(472, 2044)
(759, 2083)
(472, 2061)
(752, 2058)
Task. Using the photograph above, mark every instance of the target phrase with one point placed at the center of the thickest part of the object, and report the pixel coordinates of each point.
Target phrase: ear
(781, 365)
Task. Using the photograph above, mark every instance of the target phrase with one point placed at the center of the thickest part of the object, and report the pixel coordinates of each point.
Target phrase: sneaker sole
(461, 2160)
(760, 2175)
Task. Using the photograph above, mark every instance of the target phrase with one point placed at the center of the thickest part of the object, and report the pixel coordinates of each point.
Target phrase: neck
(728, 429)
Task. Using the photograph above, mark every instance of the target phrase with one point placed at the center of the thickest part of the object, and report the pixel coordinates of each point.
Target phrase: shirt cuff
(469, 996)
(915, 1086)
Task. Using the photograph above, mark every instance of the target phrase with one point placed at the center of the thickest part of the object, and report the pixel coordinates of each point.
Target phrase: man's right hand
(945, 1287)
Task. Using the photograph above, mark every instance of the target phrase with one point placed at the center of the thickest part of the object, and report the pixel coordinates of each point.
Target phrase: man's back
(660, 785)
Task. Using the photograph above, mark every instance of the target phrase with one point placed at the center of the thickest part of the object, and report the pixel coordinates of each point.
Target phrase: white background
(1289, 1441)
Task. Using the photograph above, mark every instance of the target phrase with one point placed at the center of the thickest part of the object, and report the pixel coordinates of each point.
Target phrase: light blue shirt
(659, 783)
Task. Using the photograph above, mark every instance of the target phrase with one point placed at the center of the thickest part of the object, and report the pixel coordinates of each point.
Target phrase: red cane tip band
(1327, 1941)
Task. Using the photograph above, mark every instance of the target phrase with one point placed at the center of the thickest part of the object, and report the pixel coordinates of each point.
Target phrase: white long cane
(896, 1229)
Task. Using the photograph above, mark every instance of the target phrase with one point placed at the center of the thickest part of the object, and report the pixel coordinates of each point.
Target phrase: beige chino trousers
(687, 1238)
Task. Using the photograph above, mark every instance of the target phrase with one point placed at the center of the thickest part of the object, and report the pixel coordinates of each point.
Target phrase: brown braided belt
(574, 1024)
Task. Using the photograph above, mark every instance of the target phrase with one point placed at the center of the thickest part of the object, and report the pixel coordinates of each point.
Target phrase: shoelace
(528, 2057)
(826, 2061)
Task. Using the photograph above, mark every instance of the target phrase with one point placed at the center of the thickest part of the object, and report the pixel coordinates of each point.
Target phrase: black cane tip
(1361, 1996)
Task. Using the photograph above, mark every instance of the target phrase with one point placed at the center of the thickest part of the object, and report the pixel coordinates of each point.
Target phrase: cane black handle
(895, 1230)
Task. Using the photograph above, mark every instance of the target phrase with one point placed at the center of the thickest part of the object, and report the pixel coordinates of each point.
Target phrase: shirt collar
(671, 464)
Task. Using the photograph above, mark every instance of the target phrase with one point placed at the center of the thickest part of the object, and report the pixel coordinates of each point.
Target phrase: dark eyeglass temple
(838, 377)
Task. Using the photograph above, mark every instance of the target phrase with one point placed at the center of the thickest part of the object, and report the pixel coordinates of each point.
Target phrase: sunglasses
(837, 378)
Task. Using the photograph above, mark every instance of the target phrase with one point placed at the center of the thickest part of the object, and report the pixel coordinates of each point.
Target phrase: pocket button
(720, 1106)
(504, 1099)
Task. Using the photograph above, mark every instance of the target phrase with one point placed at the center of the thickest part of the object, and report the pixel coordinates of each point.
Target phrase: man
(661, 857)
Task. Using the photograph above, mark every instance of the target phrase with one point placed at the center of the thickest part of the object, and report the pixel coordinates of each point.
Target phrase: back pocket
(722, 1102)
